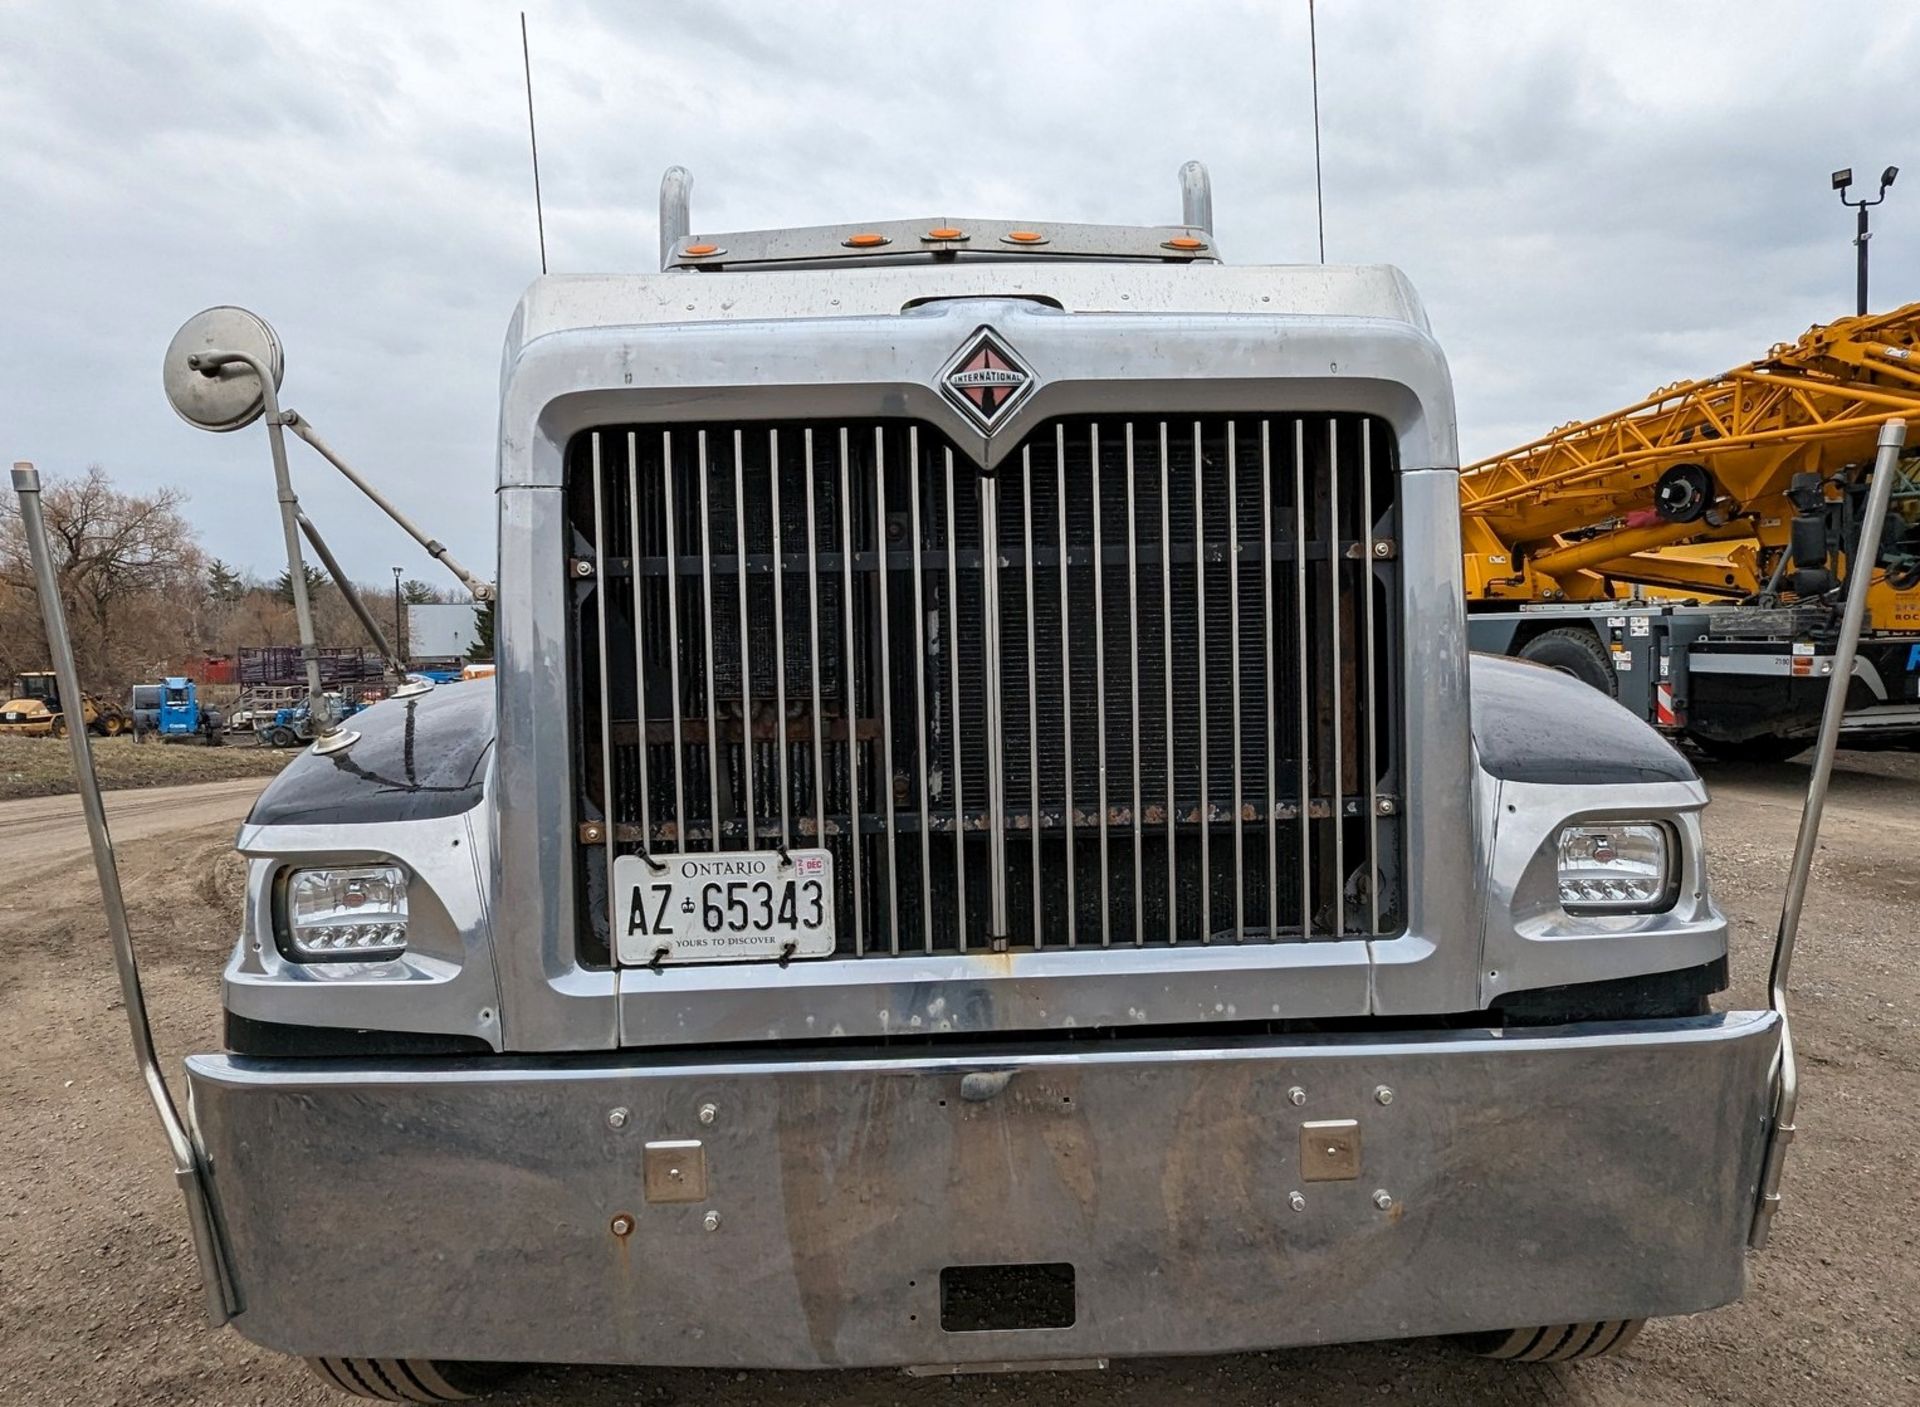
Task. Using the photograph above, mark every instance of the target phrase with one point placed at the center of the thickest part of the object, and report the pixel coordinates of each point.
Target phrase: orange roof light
(1186, 244)
(695, 251)
(1025, 237)
(945, 232)
(866, 240)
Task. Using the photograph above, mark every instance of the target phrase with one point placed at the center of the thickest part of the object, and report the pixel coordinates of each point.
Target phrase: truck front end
(986, 846)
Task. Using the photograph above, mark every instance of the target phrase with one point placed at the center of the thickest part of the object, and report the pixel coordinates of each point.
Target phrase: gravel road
(98, 1292)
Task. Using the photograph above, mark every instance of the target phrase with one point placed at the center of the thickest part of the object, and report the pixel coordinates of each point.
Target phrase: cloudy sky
(1593, 200)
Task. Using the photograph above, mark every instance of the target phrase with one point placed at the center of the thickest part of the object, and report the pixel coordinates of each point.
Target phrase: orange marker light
(1187, 244)
(694, 251)
(867, 240)
(1025, 237)
(944, 232)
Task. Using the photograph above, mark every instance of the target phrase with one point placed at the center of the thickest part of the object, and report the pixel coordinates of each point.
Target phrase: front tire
(1578, 652)
(1556, 1343)
(409, 1379)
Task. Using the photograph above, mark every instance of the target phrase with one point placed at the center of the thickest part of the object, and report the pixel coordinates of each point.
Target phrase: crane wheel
(1577, 651)
(283, 737)
(58, 728)
(1555, 1343)
(409, 1379)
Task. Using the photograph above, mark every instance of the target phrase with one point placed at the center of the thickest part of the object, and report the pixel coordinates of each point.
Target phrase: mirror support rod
(436, 549)
(352, 595)
(188, 1171)
(212, 363)
(1860, 563)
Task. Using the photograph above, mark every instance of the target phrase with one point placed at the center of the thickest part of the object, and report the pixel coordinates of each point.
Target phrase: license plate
(726, 906)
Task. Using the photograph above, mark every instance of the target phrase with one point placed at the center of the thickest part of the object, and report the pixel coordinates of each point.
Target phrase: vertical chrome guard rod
(680, 807)
(888, 800)
(1893, 437)
(853, 695)
(216, 1282)
(1233, 632)
(1066, 677)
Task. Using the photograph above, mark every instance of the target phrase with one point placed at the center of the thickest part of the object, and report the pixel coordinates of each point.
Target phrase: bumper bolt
(1296, 1095)
(1383, 1200)
(711, 1221)
(1383, 1095)
(708, 1113)
(1296, 1201)
(622, 1225)
(617, 1118)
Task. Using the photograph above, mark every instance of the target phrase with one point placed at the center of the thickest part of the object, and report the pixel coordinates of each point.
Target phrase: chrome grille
(1161, 712)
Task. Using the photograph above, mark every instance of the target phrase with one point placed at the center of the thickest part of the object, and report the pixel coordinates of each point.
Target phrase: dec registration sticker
(725, 906)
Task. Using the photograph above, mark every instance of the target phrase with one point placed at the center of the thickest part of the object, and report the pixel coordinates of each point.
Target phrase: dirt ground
(98, 1290)
(44, 766)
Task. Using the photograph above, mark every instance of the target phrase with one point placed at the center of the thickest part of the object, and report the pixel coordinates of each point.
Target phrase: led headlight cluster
(1616, 867)
(353, 913)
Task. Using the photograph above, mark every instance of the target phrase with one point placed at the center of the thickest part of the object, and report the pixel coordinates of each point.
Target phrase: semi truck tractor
(986, 848)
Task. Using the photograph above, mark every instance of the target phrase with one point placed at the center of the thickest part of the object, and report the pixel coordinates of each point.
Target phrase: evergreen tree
(481, 650)
(223, 582)
(283, 584)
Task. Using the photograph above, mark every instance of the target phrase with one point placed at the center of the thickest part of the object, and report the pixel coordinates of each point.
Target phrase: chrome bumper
(473, 1209)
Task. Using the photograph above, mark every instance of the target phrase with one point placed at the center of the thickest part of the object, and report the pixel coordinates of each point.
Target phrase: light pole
(1841, 180)
(398, 647)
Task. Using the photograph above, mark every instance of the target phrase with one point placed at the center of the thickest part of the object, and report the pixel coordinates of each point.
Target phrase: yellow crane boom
(1689, 489)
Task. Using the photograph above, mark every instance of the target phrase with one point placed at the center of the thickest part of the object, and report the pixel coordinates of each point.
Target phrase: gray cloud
(1593, 202)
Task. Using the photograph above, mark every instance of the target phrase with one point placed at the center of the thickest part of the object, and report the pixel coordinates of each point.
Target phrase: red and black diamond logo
(985, 379)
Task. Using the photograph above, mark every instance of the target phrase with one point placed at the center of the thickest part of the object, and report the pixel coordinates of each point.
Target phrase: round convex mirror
(230, 398)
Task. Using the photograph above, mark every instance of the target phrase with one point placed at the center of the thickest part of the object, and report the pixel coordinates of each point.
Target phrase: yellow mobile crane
(1686, 553)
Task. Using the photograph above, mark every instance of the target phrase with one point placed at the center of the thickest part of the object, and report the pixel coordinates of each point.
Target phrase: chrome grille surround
(980, 737)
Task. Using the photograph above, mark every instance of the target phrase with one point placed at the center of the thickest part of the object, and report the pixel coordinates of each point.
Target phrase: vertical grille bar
(1273, 710)
(1373, 701)
(856, 837)
(780, 647)
(953, 678)
(884, 794)
(1337, 770)
(673, 636)
(1300, 639)
(1066, 678)
(920, 683)
(1104, 823)
(1033, 689)
(639, 647)
(706, 619)
(1200, 621)
(1133, 698)
(996, 740)
(747, 745)
(814, 649)
(1233, 627)
(608, 807)
(1166, 664)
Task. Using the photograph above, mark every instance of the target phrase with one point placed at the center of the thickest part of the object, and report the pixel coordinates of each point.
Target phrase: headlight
(354, 913)
(1616, 867)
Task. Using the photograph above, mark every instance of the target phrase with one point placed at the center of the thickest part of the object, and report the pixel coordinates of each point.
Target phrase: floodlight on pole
(1841, 181)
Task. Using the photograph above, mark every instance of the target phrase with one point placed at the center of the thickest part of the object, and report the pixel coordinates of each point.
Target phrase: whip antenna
(1319, 200)
(539, 215)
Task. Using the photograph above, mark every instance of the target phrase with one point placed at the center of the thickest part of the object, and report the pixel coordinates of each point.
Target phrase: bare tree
(129, 571)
